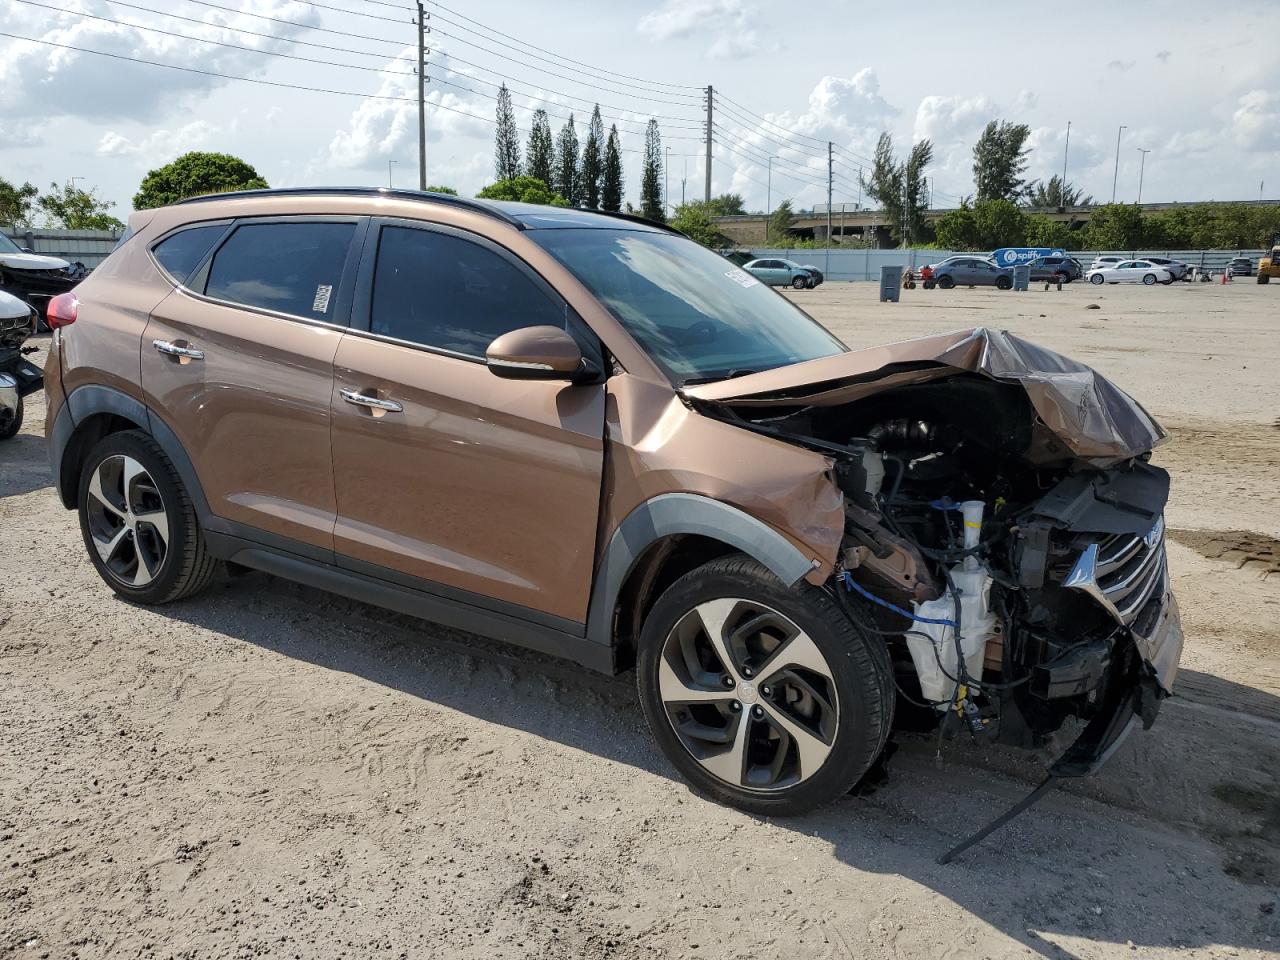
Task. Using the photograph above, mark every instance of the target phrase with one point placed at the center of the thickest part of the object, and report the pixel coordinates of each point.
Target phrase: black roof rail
(479, 206)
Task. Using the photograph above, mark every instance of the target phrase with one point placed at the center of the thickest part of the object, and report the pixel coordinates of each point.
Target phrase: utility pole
(423, 29)
(768, 187)
(829, 170)
(1142, 168)
(684, 179)
(858, 206)
(710, 101)
(1062, 197)
(666, 179)
(1115, 178)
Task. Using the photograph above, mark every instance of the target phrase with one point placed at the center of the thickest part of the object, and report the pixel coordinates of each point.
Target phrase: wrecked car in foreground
(586, 434)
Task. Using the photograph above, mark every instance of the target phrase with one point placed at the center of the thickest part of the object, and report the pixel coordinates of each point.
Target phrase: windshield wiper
(736, 372)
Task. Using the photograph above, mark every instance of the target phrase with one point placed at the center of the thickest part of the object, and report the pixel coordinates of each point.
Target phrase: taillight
(62, 310)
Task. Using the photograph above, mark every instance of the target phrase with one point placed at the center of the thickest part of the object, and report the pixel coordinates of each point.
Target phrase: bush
(195, 174)
(523, 190)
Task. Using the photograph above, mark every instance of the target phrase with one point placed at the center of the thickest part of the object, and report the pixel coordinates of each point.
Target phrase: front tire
(798, 283)
(1003, 283)
(765, 697)
(138, 523)
(1097, 279)
(946, 283)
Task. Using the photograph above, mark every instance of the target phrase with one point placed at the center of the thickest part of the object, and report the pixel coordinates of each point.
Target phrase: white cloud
(1163, 55)
(730, 22)
(1121, 66)
(1256, 121)
(159, 146)
(49, 81)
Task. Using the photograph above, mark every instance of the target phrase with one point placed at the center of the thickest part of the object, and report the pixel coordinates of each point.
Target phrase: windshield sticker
(741, 277)
(321, 302)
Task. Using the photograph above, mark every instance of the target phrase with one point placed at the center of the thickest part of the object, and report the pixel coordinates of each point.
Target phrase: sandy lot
(269, 771)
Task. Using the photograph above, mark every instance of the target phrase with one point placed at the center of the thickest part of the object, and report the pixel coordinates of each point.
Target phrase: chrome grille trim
(1123, 573)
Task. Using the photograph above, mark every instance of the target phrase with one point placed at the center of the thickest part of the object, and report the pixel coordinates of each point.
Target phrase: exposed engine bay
(1017, 582)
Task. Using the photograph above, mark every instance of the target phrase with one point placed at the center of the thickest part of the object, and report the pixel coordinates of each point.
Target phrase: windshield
(700, 317)
(8, 246)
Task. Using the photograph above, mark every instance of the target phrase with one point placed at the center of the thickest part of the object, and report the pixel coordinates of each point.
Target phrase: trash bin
(890, 283)
(1022, 277)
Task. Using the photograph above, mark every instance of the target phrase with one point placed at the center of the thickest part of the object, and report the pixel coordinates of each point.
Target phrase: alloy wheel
(748, 694)
(127, 520)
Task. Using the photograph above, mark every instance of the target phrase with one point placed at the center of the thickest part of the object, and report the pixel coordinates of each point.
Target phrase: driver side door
(453, 480)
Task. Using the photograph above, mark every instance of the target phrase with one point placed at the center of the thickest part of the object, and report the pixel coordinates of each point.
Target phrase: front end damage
(1003, 523)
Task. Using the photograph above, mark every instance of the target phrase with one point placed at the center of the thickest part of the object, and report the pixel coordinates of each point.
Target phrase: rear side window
(442, 291)
(182, 252)
(292, 268)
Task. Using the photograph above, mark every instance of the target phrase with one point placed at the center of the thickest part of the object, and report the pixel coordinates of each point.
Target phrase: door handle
(375, 403)
(173, 350)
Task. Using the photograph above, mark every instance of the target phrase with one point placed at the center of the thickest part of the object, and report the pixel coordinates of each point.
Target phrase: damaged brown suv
(588, 435)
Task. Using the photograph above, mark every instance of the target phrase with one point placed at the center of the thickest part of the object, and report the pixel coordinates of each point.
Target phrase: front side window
(696, 314)
(180, 253)
(449, 293)
(288, 267)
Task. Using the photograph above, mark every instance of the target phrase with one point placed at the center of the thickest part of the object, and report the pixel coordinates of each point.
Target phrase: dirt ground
(270, 771)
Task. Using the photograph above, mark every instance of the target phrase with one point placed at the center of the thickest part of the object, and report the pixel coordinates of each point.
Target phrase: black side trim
(94, 398)
(683, 513)
(438, 609)
(56, 447)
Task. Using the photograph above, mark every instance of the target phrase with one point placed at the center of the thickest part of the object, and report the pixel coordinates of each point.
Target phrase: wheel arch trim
(672, 514)
(93, 399)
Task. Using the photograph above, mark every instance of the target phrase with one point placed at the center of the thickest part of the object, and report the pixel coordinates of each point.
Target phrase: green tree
(884, 183)
(957, 229)
(727, 205)
(999, 160)
(593, 161)
(611, 177)
(17, 203)
(1056, 194)
(1044, 231)
(72, 209)
(781, 222)
(195, 174)
(999, 223)
(651, 174)
(446, 190)
(916, 193)
(524, 189)
(539, 158)
(506, 141)
(693, 219)
(568, 180)
(1114, 226)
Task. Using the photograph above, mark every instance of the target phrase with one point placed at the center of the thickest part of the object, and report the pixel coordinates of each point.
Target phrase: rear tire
(812, 686)
(1263, 279)
(10, 429)
(138, 523)
(1148, 279)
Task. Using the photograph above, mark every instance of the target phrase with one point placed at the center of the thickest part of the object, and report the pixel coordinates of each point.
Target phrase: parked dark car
(1241, 267)
(1049, 268)
(972, 272)
(34, 278)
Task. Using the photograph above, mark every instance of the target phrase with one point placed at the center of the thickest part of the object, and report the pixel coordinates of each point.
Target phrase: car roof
(524, 216)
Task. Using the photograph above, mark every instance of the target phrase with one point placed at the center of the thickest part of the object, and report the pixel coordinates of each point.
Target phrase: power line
(810, 176)
(757, 162)
(658, 83)
(552, 73)
(358, 13)
(295, 23)
(219, 43)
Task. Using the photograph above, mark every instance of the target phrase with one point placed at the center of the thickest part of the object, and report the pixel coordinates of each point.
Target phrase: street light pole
(1116, 177)
(768, 188)
(1142, 169)
(666, 178)
(389, 163)
(1062, 196)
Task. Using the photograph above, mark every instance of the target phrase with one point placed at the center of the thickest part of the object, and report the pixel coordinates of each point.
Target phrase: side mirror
(26, 250)
(536, 353)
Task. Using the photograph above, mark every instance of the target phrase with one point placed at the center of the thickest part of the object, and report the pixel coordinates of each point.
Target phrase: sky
(1199, 90)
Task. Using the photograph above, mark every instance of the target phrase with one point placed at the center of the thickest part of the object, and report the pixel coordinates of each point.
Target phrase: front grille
(1123, 572)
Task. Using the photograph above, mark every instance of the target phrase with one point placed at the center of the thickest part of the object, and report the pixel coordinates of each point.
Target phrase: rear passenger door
(449, 479)
(238, 362)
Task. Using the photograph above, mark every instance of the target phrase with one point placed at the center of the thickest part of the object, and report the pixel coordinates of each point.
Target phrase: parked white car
(1130, 271)
(1103, 263)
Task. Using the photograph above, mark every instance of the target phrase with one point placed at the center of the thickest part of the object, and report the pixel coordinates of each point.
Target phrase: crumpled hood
(1093, 417)
(31, 261)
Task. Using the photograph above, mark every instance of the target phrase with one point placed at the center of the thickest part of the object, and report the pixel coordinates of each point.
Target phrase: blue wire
(852, 585)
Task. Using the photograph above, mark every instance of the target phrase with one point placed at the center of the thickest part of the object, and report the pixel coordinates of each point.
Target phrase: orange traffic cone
(1226, 275)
